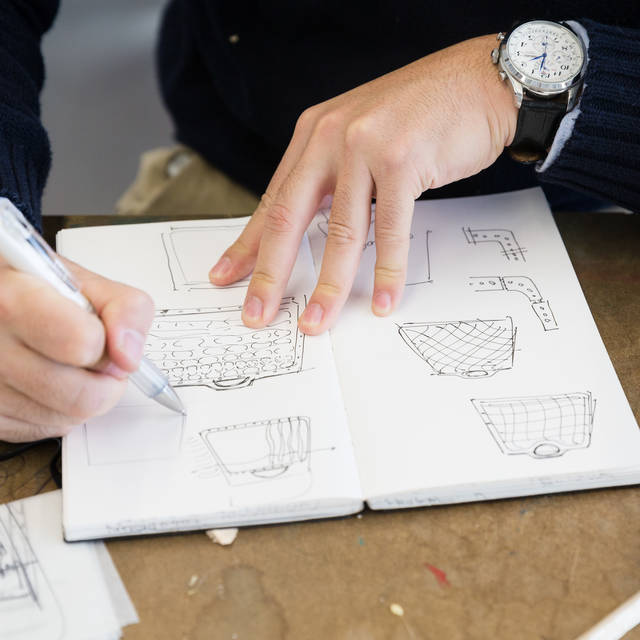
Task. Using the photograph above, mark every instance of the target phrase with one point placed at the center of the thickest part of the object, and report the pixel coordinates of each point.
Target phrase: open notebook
(489, 381)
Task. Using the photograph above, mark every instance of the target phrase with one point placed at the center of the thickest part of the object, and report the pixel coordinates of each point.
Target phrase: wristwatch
(545, 63)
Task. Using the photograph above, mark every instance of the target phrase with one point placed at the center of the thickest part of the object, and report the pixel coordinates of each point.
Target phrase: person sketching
(303, 102)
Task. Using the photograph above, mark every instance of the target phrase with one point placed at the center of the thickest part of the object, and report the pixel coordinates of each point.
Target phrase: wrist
(500, 95)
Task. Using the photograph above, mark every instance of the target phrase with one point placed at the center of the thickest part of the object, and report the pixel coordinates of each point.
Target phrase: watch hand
(544, 57)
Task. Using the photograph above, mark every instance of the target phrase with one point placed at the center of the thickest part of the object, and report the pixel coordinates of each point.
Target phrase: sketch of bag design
(213, 348)
(25, 592)
(465, 348)
(188, 253)
(539, 426)
(261, 451)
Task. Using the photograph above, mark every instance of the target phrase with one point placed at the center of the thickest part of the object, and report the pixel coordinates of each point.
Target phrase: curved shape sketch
(539, 426)
(504, 238)
(261, 451)
(523, 285)
(213, 348)
(464, 348)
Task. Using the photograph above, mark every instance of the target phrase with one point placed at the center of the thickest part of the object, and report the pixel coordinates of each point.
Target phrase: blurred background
(101, 105)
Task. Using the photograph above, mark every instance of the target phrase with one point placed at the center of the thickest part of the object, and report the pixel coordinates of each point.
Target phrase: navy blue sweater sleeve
(25, 155)
(602, 155)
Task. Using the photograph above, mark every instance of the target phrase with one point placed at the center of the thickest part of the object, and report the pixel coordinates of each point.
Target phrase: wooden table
(546, 567)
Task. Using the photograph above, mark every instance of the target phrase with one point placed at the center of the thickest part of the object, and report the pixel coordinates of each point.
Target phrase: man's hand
(440, 119)
(61, 365)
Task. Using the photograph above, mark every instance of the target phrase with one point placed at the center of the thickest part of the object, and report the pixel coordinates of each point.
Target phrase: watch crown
(503, 76)
(495, 55)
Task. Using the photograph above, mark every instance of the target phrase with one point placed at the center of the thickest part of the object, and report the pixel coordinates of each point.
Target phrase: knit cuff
(22, 179)
(602, 156)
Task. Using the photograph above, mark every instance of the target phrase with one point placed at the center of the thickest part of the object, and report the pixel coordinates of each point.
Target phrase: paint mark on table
(439, 575)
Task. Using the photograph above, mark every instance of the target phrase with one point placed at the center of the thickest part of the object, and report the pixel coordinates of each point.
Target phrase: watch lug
(517, 91)
(572, 96)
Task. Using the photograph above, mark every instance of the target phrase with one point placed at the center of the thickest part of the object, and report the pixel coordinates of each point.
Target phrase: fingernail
(312, 315)
(132, 344)
(221, 268)
(253, 308)
(115, 371)
(381, 303)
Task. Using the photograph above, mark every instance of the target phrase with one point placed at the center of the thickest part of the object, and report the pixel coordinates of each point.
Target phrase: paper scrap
(223, 537)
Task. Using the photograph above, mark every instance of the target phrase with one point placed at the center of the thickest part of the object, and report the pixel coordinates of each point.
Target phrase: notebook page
(490, 379)
(265, 438)
(51, 589)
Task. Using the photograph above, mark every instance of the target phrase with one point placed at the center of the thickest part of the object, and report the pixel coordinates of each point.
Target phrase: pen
(25, 250)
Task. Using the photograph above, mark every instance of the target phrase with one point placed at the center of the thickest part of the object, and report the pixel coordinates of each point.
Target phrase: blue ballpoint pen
(25, 250)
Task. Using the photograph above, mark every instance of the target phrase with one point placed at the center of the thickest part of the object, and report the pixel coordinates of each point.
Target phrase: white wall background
(101, 104)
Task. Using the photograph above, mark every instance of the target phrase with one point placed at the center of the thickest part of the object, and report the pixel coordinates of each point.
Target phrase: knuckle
(360, 132)
(328, 124)
(263, 277)
(279, 219)
(389, 272)
(395, 157)
(306, 120)
(340, 232)
(82, 346)
(329, 289)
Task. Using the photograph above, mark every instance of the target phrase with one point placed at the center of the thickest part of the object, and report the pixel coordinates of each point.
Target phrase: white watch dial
(545, 52)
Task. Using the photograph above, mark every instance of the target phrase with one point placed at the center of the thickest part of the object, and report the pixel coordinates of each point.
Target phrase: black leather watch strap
(538, 122)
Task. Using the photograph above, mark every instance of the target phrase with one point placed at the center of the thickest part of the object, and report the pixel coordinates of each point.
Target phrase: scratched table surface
(546, 567)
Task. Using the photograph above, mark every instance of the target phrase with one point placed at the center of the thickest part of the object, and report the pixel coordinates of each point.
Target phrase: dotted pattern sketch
(465, 348)
(504, 238)
(523, 285)
(212, 347)
(28, 605)
(545, 426)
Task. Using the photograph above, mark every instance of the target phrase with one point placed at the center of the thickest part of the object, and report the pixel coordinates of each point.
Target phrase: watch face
(545, 55)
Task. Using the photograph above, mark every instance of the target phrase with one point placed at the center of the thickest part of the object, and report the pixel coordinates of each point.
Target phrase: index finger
(285, 222)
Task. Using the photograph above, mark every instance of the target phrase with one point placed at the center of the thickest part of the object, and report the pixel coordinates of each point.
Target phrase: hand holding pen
(61, 365)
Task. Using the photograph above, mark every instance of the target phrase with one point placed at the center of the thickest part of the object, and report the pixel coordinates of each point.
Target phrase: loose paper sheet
(490, 379)
(53, 590)
(265, 438)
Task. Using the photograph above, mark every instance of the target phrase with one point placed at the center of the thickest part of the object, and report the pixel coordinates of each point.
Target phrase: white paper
(50, 589)
(265, 438)
(490, 379)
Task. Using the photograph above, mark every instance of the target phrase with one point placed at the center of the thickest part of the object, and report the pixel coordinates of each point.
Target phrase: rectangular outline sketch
(465, 348)
(283, 448)
(112, 416)
(182, 281)
(545, 426)
(25, 592)
(323, 227)
(229, 354)
(505, 239)
(519, 284)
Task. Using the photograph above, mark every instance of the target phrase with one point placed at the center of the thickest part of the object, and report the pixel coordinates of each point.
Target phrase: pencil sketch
(545, 426)
(504, 238)
(419, 267)
(189, 257)
(28, 606)
(134, 434)
(212, 347)
(464, 348)
(519, 284)
(261, 451)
